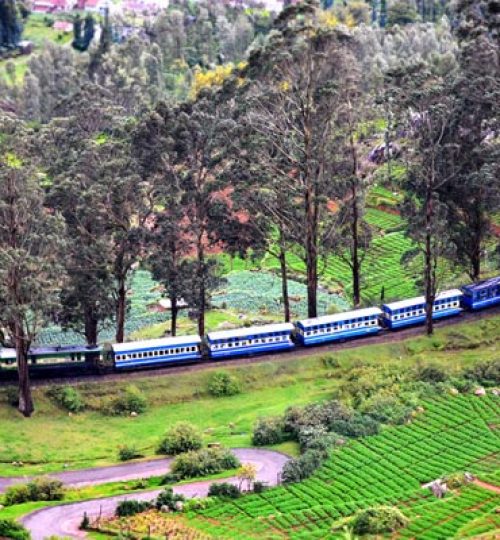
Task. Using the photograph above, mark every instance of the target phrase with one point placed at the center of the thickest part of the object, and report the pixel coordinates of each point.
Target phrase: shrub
(131, 507)
(126, 453)
(358, 426)
(131, 400)
(224, 490)
(268, 431)
(181, 437)
(222, 384)
(169, 478)
(322, 444)
(302, 467)
(204, 462)
(378, 520)
(431, 374)
(67, 398)
(308, 434)
(259, 487)
(386, 409)
(456, 480)
(16, 494)
(330, 362)
(15, 531)
(484, 373)
(12, 395)
(315, 415)
(41, 489)
(169, 499)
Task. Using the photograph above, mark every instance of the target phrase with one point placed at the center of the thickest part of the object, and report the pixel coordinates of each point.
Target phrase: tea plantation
(451, 434)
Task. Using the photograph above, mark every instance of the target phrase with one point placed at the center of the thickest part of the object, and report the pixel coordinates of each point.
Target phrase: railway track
(75, 374)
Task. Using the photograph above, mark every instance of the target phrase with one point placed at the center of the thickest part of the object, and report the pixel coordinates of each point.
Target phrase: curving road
(64, 519)
(100, 475)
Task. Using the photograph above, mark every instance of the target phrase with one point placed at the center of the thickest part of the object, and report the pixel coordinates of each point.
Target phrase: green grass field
(52, 438)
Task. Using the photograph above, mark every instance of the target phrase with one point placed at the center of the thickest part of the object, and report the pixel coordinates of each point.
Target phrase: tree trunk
(428, 274)
(120, 311)
(201, 285)
(284, 283)
(311, 253)
(90, 328)
(25, 399)
(174, 310)
(356, 292)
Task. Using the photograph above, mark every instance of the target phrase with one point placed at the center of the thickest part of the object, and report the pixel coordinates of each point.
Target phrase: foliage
(127, 452)
(401, 12)
(132, 400)
(224, 490)
(40, 489)
(182, 437)
(30, 237)
(222, 383)
(67, 397)
(204, 462)
(300, 468)
(169, 499)
(268, 431)
(484, 373)
(15, 531)
(432, 374)
(379, 519)
(131, 507)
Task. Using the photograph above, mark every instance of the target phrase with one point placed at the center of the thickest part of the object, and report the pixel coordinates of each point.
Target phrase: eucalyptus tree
(184, 149)
(293, 90)
(426, 106)
(350, 235)
(31, 243)
(95, 186)
(475, 194)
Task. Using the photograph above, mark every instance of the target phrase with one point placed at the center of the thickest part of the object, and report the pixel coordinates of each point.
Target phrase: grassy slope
(52, 438)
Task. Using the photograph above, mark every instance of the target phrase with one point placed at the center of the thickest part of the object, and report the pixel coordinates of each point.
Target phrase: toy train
(273, 338)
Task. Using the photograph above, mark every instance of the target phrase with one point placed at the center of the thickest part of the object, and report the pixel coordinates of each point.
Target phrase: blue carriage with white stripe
(155, 352)
(339, 326)
(482, 294)
(412, 311)
(252, 340)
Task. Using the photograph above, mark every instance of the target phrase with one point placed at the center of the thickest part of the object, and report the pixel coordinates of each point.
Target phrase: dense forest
(246, 133)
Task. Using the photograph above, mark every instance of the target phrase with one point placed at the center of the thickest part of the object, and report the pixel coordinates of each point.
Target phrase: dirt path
(64, 520)
(485, 485)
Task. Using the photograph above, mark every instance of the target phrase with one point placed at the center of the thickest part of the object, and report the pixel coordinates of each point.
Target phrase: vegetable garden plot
(144, 294)
(384, 469)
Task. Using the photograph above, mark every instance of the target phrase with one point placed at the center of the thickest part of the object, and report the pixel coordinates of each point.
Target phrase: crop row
(384, 469)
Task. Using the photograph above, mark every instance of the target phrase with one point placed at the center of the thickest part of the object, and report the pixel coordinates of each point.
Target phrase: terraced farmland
(452, 434)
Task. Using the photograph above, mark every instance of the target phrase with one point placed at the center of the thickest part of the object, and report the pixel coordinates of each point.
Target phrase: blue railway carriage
(252, 340)
(412, 311)
(483, 294)
(155, 352)
(350, 324)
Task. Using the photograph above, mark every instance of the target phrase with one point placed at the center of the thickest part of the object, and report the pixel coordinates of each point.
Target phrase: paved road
(100, 475)
(63, 520)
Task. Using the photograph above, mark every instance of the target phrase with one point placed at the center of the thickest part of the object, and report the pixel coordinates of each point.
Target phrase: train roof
(250, 331)
(51, 352)
(156, 343)
(336, 317)
(401, 304)
(7, 353)
(481, 285)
